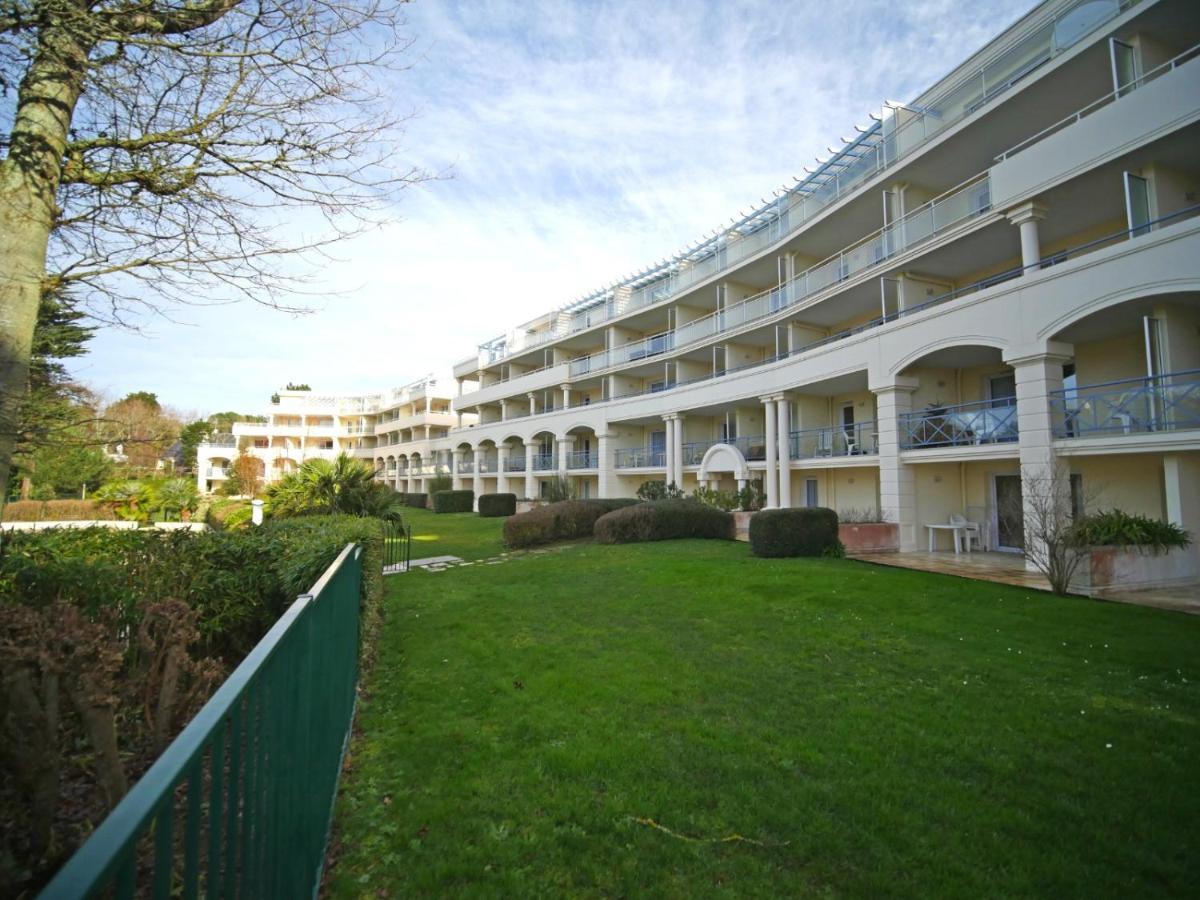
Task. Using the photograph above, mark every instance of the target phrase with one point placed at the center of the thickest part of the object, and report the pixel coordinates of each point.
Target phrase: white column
(604, 464)
(460, 415)
(530, 485)
(669, 472)
(503, 411)
(455, 465)
(897, 494)
(1045, 485)
(501, 474)
(1181, 477)
(784, 427)
(677, 475)
(532, 403)
(564, 448)
(477, 478)
(566, 392)
(771, 474)
(1025, 217)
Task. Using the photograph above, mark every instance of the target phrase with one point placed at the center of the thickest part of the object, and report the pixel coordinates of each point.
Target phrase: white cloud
(587, 140)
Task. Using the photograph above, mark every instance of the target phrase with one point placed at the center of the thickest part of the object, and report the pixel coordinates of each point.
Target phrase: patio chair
(971, 530)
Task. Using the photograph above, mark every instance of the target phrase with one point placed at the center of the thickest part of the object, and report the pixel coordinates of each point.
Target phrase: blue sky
(582, 141)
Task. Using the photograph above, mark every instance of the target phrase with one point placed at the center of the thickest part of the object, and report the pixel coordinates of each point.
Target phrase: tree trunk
(29, 182)
(99, 722)
(30, 733)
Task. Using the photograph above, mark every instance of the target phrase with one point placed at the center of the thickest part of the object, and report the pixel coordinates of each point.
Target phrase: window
(1137, 204)
(811, 497)
(1077, 504)
(1124, 66)
(1002, 389)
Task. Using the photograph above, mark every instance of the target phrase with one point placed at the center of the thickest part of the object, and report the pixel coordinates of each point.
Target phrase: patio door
(1137, 204)
(658, 448)
(1007, 513)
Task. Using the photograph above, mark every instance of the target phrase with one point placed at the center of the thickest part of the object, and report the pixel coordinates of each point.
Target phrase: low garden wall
(869, 537)
(1107, 570)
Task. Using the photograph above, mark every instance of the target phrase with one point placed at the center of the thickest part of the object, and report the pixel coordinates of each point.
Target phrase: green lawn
(453, 534)
(801, 726)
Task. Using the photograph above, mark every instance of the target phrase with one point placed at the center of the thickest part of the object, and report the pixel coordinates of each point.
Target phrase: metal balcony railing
(466, 466)
(1162, 403)
(544, 462)
(217, 472)
(582, 459)
(485, 464)
(221, 440)
(960, 425)
(639, 458)
(858, 439)
(514, 464)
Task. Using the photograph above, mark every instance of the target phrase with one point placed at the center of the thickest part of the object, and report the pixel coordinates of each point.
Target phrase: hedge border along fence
(57, 511)
(567, 520)
(415, 500)
(664, 520)
(810, 531)
(493, 506)
(453, 501)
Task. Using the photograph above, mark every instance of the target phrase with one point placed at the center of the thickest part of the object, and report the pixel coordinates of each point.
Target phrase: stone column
(564, 449)
(455, 465)
(530, 481)
(771, 474)
(1181, 476)
(566, 392)
(604, 465)
(669, 448)
(1045, 481)
(1025, 217)
(477, 477)
(897, 500)
(532, 403)
(503, 410)
(783, 426)
(677, 475)
(501, 473)
(460, 415)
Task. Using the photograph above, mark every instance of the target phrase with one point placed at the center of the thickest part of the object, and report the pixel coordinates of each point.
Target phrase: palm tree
(344, 485)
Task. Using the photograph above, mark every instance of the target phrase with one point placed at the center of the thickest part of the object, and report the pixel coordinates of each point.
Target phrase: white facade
(995, 283)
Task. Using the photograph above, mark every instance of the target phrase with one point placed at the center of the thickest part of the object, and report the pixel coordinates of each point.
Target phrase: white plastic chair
(970, 530)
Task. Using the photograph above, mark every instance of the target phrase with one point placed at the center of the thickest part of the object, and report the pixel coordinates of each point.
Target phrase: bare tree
(1046, 517)
(155, 147)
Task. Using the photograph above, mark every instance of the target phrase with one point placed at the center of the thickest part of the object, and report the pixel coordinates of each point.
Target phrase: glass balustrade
(1162, 403)
(960, 425)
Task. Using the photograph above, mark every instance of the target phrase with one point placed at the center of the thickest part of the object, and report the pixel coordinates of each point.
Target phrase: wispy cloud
(586, 141)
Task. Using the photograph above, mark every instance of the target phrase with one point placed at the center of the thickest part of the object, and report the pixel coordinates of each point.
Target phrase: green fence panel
(240, 804)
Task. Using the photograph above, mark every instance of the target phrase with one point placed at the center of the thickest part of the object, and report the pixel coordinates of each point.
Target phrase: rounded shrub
(496, 505)
(568, 520)
(795, 532)
(453, 501)
(415, 501)
(664, 520)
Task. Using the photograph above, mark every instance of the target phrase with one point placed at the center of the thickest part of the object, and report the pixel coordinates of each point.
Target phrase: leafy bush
(751, 498)
(557, 489)
(496, 505)
(795, 532)
(726, 500)
(440, 482)
(415, 500)
(664, 520)
(227, 514)
(1115, 528)
(856, 516)
(454, 501)
(659, 490)
(56, 511)
(569, 520)
(341, 486)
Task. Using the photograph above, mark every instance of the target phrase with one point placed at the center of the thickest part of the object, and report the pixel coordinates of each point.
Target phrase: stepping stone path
(442, 563)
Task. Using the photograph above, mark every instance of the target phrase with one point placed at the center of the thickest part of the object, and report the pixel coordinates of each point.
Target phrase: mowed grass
(802, 727)
(465, 535)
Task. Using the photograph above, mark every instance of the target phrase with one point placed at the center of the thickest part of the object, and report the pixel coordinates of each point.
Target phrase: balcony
(217, 472)
(465, 466)
(1163, 403)
(960, 425)
(961, 204)
(582, 459)
(360, 429)
(639, 458)
(544, 462)
(858, 439)
(221, 440)
(486, 464)
(514, 464)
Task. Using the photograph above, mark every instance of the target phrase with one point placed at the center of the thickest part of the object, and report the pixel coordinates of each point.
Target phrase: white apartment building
(998, 279)
(399, 429)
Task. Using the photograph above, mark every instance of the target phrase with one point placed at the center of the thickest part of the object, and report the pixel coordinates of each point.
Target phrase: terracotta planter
(870, 537)
(741, 525)
(1109, 569)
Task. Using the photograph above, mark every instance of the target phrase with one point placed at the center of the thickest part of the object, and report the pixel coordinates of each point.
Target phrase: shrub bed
(795, 532)
(568, 520)
(416, 501)
(151, 622)
(453, 501)
(496, 505)
(664, 520)
(57, 511)
(1116, 528)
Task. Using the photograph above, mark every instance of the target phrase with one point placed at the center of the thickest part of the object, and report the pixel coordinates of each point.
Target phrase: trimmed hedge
(812, 531)
(57, 511)
(664, 520)
(568, 520)
(495, 505)
(453, 501)
(416, 501)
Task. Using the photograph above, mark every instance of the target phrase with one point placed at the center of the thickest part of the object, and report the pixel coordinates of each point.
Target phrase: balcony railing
(1162, 403)
(960, 425)
(221, 440)
(514, 464)
(217, 472)
(485, 464)
(582, 459)
(544, 462)
(639, 458)
(956, 206)
(466, 466)
(858, 439)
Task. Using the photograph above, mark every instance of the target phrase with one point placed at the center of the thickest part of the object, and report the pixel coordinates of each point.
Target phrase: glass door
(1137, 204)
(1124, 66)
(1008, 514)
